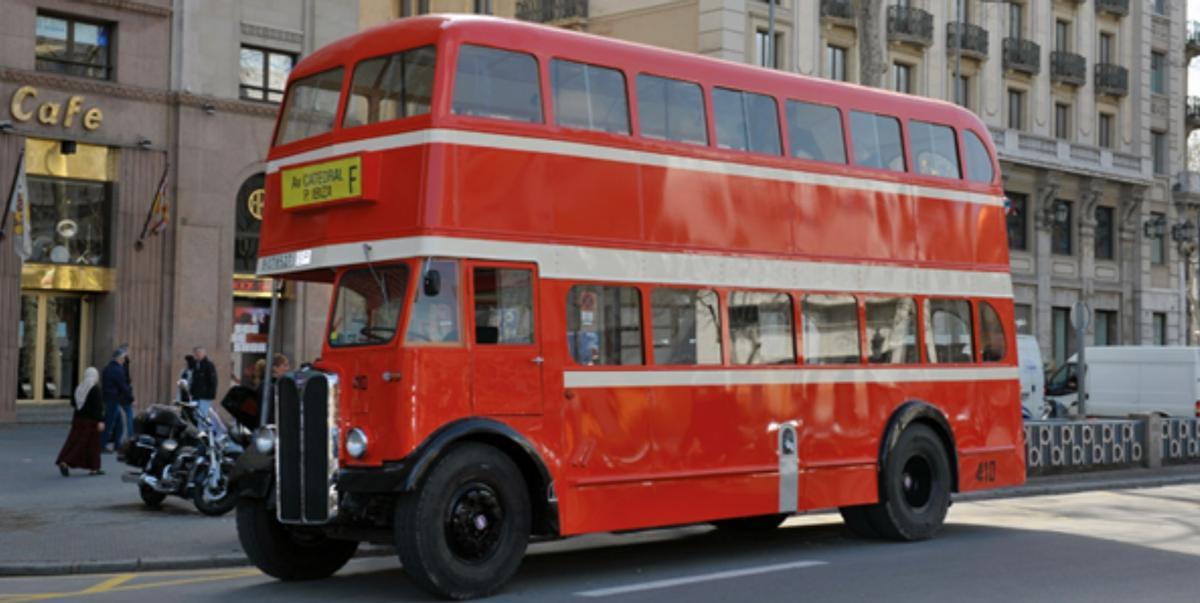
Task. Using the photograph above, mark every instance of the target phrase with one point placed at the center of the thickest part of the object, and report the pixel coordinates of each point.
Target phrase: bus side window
(948, 336)
(892, 331)
(815, 132)
(671, 110)
(391, 87)
(686, 326)
(934, 149)
(435, 318)
(589, 97)
(979, 162)
(498, 84)
(760, 328)
(991, 334)
(503, 306)
(831, 334)
(604, 325)
(877, 141)
(746, 121)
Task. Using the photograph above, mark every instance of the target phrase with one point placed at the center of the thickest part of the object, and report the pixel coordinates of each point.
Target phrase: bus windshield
(367, 306)
(311, 106)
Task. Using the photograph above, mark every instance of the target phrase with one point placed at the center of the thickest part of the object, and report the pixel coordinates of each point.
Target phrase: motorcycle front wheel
(213, 501)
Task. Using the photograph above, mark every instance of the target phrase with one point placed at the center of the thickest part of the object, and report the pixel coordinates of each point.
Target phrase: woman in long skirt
(82, 448)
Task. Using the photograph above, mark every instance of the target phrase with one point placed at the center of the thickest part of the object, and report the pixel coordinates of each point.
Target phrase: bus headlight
(264, 440)
(356, 443)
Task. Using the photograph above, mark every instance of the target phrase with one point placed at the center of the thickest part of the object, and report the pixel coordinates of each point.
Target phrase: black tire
(463, 532)
(207, 504)
(284, 552)
(916, 487)
(859, 522)
(150, 497)
(758, 523)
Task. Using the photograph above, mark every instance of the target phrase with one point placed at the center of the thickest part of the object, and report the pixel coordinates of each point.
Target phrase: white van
(1128, 380)
(1033, 376)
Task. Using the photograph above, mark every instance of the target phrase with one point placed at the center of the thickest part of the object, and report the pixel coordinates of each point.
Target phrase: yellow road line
(109, 584)
(117, 584)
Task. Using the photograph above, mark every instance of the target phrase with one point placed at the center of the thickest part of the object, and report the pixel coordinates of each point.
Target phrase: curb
(156, 564)
(1052, 486)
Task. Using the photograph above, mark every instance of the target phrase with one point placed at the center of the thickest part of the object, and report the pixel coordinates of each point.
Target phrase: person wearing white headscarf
(82, 448)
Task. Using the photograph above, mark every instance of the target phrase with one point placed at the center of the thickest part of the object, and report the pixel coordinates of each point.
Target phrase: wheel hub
(474, 523)
(916, 481)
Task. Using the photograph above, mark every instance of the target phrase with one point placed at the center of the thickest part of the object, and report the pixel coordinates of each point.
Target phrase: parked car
(1129, 380)
(1032, 374)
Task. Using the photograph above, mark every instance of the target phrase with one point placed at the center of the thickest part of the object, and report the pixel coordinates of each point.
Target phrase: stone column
(1089, 197)
(1130, 208)
(1043, 213)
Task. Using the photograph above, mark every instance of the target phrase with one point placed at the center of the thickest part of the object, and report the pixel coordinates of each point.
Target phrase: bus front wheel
(284, 552)
(463, 532)
(915, 486)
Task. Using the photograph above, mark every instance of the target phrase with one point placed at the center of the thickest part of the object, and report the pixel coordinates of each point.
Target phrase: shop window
(760, 328)
(74, 46)
(51, 347)
(264, 73)
(687, 326)
(892, 331)
(70, 202)
(503, 306)
(831, 333)
(249, 212)
(604, 325)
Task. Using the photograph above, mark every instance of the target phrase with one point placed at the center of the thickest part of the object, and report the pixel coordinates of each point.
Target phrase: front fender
(253, 474)
(916, 411)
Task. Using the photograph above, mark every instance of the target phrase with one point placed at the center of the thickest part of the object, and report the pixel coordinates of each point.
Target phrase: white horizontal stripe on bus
(804, 376)
(592, 151)
(631, 266)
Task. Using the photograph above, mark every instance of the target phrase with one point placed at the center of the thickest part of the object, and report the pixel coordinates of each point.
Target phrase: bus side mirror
(432, 284)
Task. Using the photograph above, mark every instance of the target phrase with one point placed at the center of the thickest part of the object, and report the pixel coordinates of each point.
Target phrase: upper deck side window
(934, 149)
(498, 84)
(311, 106)
(671, 110)
(746, 121)
(979, 161)
(391, 87)
(815, 132)
(589, 97)
(877, 141)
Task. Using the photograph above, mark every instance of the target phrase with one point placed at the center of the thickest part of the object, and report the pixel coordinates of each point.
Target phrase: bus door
(506, 358)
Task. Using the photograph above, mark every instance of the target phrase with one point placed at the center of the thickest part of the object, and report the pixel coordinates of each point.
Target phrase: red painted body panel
(629, 457)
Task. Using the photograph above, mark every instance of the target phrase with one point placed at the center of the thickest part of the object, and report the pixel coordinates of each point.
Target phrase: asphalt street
(1123, 545)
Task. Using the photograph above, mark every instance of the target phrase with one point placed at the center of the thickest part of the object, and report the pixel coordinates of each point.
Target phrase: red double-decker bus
(584, 285)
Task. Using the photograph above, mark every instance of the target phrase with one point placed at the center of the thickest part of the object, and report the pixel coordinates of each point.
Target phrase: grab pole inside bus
(264, 405)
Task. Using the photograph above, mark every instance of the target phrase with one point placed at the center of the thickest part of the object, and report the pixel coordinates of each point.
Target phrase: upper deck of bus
(417, 177)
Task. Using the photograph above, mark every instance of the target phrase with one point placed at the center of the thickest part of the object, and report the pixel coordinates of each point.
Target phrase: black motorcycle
(179, 452)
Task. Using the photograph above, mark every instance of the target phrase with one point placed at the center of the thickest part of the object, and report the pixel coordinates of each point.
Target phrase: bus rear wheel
(463, 532)
(284, 552)
(916, 488)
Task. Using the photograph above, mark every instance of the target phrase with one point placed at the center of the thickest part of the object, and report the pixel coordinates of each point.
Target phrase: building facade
(104, 97)
(1085, 100)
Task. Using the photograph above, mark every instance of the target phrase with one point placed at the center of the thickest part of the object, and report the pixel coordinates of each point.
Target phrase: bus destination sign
(336, 180)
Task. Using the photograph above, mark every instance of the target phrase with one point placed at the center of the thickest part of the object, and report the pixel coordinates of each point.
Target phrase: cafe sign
(27, 105)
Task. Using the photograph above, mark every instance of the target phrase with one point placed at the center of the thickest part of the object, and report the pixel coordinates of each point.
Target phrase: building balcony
(1025, 148)
(909, 25)
(1068, 68)
(1119, 8)
(838, 10)
(1193, 39)
(1111, 80)
(554, 12)
(1022, 55)
(973, 43)
(1192, 112)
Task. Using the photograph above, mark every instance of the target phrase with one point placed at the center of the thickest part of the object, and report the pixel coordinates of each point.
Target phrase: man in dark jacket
(204, 381)
(118, 397)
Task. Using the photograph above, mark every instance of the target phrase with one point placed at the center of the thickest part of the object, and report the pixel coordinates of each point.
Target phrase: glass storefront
(52, 343)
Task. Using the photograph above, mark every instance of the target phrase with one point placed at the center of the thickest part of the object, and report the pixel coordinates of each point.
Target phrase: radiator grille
(306, 456)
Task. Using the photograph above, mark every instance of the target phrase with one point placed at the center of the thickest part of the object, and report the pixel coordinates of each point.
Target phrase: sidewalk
(52, 525)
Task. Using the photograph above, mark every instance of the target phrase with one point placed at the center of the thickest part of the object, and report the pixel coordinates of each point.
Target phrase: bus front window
(366, 309)
(435, 315)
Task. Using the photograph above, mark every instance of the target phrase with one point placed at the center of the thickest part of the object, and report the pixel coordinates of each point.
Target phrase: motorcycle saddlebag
(158, 421)
(242, 404)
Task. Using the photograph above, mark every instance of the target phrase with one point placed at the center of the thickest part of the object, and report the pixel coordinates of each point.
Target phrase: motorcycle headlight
(356, 443)
(264, 440)
(169, 445)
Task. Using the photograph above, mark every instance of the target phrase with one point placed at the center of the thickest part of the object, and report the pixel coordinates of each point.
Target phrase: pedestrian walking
(82, 448)
(203, 384)
(118, 398)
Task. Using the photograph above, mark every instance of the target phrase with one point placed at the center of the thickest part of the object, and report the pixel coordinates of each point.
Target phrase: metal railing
(550, 11)
(1112, 79)
(909, 24)
(974, 40)
(1115, 7)
(1022, 55)
(1068, 68)
(837, 9)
